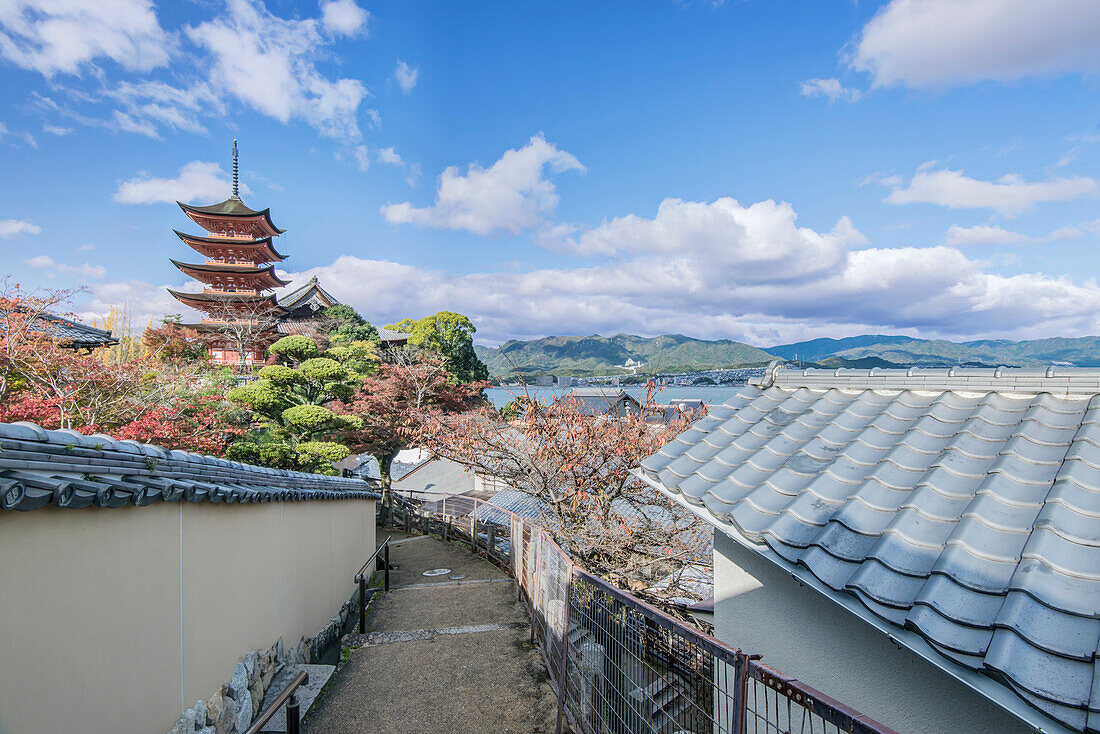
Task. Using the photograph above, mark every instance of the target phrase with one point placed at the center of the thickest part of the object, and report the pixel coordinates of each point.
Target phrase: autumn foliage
(154, 397)
(410, 390)
(578, 465)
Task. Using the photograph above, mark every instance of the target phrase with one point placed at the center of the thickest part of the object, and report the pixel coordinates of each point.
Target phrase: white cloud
(406, 76)
(761, 241)
(929, 43)
(511, 196)
(1068, 158)
(57, 130)
(47, 263)
(344, 17)
(725, 270)
(144, 301)
(671, 274)
(148, 105)
(983, 235)
(390, 156)
(362, 157)
(11, 227)
(269, 63)
(85, 247)
(51, 37)
(197, 181)
(933, 291)
(1009, 195)
(831, 88)
(26, 137)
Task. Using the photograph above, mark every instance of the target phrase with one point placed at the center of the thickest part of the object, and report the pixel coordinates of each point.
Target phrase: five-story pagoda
(240, 310)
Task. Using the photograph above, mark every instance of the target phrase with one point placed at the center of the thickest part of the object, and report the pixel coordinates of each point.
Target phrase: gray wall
(762, 609)
(115, 620)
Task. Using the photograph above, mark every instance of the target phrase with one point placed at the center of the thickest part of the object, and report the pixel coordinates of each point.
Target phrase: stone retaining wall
(234, 706)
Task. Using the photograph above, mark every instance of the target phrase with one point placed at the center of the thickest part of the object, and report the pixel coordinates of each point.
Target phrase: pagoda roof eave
(231, 208)
(195, 270)
(261, 243)
(206, 300)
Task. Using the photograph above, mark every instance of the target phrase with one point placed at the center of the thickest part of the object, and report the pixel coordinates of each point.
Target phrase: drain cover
(437, 572)
(457, 577)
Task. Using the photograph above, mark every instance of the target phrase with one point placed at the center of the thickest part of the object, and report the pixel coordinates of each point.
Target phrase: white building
(923, 545)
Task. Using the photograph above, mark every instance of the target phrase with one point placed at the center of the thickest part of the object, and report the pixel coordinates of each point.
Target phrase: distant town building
(544, 381)
(605, 401)
(675, 409)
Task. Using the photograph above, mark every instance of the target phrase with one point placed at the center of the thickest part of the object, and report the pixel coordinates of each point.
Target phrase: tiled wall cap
(34, 432)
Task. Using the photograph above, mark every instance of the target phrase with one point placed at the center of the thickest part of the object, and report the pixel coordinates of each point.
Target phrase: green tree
(451, 335)
(290, 400)
(344, 325)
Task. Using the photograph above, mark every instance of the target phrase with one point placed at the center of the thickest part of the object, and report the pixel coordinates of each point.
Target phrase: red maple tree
(397, 400)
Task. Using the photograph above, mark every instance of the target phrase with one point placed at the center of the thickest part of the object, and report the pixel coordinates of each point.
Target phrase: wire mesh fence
(617, 664)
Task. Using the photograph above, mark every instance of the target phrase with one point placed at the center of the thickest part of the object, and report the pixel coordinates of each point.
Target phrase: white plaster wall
(115, 620)
(762, 609)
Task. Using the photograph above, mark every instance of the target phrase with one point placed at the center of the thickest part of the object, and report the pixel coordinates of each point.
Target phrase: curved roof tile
(68, 469)
(962, 505)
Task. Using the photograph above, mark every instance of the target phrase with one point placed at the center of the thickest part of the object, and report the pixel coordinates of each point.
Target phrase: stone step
(307, 694)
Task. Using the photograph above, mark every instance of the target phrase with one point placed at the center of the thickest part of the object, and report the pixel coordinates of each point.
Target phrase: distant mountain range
(907, 351)
(623, 353)
(592, 355)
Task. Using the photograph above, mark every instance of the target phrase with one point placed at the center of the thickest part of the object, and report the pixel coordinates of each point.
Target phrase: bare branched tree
(246, 326)
(578, 465)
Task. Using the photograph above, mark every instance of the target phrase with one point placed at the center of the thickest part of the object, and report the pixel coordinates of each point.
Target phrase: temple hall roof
(72, 333)
(957, 511)
(310, 292)
(389, 336)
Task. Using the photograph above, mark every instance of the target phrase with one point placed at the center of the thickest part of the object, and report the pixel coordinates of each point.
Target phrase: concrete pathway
(442, 654)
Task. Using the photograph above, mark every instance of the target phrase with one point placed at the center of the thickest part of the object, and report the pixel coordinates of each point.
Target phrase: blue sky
(761, 171)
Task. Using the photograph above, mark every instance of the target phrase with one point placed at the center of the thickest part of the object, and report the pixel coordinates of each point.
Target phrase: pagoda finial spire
(235, 191)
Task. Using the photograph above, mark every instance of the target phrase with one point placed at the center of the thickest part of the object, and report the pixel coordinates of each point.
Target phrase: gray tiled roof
(511, 500)
(311, 290)
(69, 331)
(67, 469)
(389, 335)
(961, 505)
(611, 393)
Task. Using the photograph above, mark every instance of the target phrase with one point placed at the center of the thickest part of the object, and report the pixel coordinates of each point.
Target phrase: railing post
(293, 718)
(535, 588)
(564, 682)
(740, 706)
(386, 554)
(362, 604)
(492, 542)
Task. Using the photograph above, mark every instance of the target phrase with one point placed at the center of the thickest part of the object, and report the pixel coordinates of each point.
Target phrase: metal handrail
(744, 666)
(362, 577)
(293, 719)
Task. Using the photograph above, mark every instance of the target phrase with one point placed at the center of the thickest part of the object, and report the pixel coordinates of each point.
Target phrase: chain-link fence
(617, 664)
